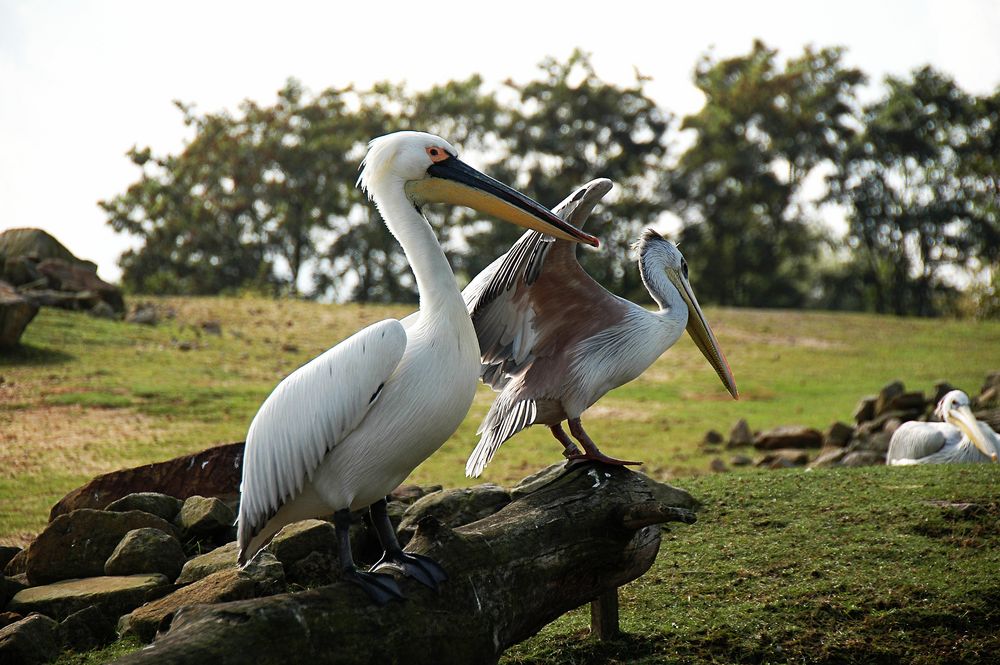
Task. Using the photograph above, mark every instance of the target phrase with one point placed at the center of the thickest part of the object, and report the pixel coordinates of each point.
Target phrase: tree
(910, 192)
(747, 235)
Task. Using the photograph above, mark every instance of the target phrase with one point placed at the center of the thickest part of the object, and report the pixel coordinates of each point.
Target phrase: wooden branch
(575, 537)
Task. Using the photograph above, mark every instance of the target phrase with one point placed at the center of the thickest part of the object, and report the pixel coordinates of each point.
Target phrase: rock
(889, 392)
(718, 466)
(838, 435)
(740, 434)
(211, 328)
(144, 314)
(146, 551)
(204, 565)
(712, 438)
(63, 275)
(20, 271)
(113, 595)
(213, 472)
(877, 424)
(456, 507)
(259, 578)
(16, 312)
(941, 388)
(407, 494)
(204, 516)
(315, 569)
(87, 629)
(37, 245)
(890, 426)
(910, 401)
(992, 381)
(7, 618)
(791, 436)
(741, 460)
(876, 442)
(784, 458)
(34, 639)
(862, 458)
(9, 586)
(17, 564)
(865, 410)
(296, 541)
(829, 457)
(78, 544)
(7, 552)
(103, 310)
(154, 503)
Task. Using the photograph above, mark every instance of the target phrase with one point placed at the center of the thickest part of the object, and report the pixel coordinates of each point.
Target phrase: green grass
(839, 565)
(84, 396)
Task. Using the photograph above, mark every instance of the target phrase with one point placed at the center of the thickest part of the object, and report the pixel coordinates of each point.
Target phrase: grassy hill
(872, 565)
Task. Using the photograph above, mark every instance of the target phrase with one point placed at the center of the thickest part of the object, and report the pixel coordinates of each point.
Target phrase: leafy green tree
(764, 128)
(911, 199)
(195, 215)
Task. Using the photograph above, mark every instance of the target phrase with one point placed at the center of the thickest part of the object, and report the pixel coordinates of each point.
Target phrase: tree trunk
(569, 537)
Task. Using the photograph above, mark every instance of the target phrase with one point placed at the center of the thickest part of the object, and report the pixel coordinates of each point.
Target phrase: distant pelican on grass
(959, 439)
(342, 431)
(553, 341)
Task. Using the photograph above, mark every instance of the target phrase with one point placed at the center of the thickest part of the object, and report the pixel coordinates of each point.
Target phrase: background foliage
(264, 199)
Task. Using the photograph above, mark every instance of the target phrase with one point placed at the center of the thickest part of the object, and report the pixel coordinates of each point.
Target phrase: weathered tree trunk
(569, 537)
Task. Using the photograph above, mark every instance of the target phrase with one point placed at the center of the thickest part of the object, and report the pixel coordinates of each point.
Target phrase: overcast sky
(81, 82)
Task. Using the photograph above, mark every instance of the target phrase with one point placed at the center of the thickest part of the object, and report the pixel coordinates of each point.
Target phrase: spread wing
(915, 440)
(308, 413)
(499, 299)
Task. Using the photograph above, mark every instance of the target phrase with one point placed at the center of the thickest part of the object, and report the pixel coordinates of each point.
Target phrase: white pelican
(343, 430)
(960, 438)
(553, 341)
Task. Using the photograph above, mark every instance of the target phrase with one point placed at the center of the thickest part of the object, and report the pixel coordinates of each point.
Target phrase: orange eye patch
(437, 154)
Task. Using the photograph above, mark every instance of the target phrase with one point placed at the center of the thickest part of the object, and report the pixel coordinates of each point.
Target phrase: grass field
(84, 396)
(824, 566)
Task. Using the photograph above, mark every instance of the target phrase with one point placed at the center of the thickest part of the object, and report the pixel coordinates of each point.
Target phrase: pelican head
(428, 169)
(954, 409)
(658, 253)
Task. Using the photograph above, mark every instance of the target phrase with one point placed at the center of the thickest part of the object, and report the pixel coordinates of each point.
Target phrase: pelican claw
(421, 568)
(380, 588)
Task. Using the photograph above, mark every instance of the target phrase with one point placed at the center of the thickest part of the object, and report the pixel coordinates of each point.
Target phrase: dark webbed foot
(421, 568)
(380, 588)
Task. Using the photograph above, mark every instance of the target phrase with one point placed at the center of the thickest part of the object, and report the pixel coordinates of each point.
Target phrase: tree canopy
(264, 197)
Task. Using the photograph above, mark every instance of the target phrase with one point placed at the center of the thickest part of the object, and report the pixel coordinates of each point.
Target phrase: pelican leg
(591, 451)
(380, 588)
(421, 568)
(571, 451)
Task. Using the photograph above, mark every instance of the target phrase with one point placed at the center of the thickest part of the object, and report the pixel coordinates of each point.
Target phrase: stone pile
(863, 443)
(36, 270)
(95, 574)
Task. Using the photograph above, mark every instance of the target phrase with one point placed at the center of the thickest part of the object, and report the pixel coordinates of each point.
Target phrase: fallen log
(569, 537)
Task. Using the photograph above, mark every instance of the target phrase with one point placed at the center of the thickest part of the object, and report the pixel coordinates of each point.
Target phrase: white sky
(81, 82)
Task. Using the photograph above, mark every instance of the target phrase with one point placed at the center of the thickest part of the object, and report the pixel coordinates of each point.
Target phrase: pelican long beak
(963, 418)
(453, 181)
(704, 338)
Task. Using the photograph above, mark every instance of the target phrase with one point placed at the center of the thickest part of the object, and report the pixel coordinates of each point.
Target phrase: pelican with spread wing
(959, 438)
(345, 429)
(553, 341)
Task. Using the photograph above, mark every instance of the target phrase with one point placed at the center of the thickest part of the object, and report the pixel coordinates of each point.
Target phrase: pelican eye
(437, 154)
(684, 268)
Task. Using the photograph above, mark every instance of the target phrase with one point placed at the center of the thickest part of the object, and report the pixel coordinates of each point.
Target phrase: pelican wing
(916, 440)
(499, 298)
(312, 410)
